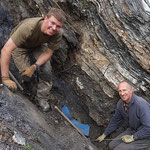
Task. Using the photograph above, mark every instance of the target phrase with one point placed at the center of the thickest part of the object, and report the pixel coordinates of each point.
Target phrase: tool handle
(69, 121)
(13, 78)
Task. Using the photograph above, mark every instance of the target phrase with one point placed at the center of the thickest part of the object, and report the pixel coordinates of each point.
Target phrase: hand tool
(107, 140)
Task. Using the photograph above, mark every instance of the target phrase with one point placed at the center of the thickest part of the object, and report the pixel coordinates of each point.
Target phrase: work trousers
(22, 59)
(118, 144)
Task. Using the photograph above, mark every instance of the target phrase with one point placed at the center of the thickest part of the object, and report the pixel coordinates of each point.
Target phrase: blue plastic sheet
(84, 128)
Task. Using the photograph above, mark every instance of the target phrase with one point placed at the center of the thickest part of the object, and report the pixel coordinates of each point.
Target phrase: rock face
(104, 42)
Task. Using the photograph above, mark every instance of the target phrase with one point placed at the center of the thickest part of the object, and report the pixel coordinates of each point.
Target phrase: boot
(44, 106)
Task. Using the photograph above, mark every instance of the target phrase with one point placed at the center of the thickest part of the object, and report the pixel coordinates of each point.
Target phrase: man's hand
(9, 83)
(127, 138)
(29, 71)
(101, 138)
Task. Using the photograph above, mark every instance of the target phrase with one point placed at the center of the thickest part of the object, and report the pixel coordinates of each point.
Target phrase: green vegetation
(28, 147)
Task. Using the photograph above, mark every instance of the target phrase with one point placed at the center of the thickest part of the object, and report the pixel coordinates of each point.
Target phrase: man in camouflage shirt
(39, 37)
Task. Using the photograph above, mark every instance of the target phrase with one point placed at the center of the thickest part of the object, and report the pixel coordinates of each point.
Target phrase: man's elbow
(3, 51)
(50, 52)
(8, 47)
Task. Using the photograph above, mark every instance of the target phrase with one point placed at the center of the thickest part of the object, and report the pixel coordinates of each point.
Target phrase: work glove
(29, 71)
(9, 83)
(127, 138)
(101, 138)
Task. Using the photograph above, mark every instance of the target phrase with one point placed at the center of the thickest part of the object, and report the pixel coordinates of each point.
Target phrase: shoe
(44, 106)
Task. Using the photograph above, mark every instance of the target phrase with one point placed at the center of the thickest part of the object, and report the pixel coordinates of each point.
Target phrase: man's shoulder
(57, 37)
(32, 21)
(28, 24)
(140, 101)
(58, 34)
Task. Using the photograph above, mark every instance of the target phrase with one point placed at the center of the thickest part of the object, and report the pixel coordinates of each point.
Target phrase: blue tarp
(84, 128)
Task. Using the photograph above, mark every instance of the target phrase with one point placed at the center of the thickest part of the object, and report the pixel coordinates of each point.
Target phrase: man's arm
(44, 57)
(114, 123)
(5, 60)
(5, 57)
(144, 131)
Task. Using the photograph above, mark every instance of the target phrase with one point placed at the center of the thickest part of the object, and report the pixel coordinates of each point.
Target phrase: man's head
(125, 91)
(53, 21)
(58, 14)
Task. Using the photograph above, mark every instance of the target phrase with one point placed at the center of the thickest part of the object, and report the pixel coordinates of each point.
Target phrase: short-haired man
(136, 112)
(30, 38)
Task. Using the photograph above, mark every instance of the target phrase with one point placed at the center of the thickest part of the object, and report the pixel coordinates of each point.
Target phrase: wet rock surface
(104, 42)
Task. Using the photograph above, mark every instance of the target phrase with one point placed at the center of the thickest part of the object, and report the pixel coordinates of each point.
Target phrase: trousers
(22, 59)
(118, 144)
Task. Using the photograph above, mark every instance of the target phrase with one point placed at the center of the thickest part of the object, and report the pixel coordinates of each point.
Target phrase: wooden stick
(69, 121)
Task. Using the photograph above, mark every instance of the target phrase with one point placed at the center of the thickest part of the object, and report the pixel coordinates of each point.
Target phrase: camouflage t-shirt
(27, 34)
